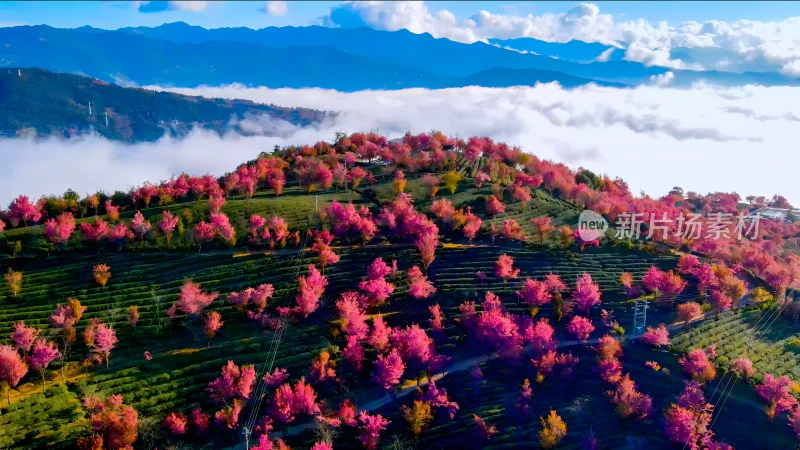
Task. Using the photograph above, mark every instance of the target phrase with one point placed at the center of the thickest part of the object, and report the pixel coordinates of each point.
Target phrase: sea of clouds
(702, 139)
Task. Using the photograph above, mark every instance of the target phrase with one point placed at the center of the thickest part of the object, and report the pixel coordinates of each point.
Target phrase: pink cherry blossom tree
(353, 352)
(379, 335)
(426, 244)
(167, 225)
(105, 339)
(175, 424)
(203, 233)
(687, 422)
(743, 368)
(504, 268)
(12, 368)
(580, 327)
(472, 224)
(257, 297)
(213, 324)
(370, 429)
(419, 286)
(42, 354)
(777, 393)
(94, 231)
(535, 293)
(58, 230)
(22, 211)
(192, 300)
(688, 312)
(586, 293)
(233, 383)
(24, 337)
(352, 318)
(310, 290)
(630, 402)
(437, 317)
(656, 337)
(696, 363)
(139, 225)
(413, 343)
(325, 254)
(389, 369)
(494, 206)
(719, 301)
(653, 279)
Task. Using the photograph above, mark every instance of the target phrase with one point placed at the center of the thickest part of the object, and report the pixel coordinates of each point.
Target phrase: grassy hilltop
(164, 360)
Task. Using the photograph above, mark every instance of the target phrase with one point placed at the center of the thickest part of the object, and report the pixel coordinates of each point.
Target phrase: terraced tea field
(768, 340)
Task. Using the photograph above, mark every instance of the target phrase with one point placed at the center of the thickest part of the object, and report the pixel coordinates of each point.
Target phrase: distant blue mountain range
(181, 55)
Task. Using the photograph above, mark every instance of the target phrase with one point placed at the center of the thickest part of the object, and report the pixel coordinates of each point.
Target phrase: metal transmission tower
(639, 316)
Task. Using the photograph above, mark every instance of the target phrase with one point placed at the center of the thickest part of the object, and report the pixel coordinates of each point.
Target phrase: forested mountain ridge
(347, 61)
(36, 101)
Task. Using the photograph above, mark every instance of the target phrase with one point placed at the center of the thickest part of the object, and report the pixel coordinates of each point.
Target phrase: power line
(771, 317)
(269, 360)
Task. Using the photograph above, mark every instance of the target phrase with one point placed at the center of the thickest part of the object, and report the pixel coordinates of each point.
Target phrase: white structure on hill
(775, 213)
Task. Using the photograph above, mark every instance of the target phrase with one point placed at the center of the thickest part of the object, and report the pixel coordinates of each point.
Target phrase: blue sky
(250, 14)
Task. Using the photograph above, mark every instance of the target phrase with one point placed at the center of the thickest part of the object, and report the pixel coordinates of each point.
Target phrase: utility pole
(19, 73)
(90, 109)
(246, 432)
(106, 119)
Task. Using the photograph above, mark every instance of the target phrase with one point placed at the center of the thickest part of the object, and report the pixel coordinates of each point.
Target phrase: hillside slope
(47, 103)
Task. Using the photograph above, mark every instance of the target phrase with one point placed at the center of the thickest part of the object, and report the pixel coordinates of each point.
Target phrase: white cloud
(749, 45)
(158, 6)
(276, 8)
(703, 139)
(605, 55)
(188, 5)
(663, 79)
